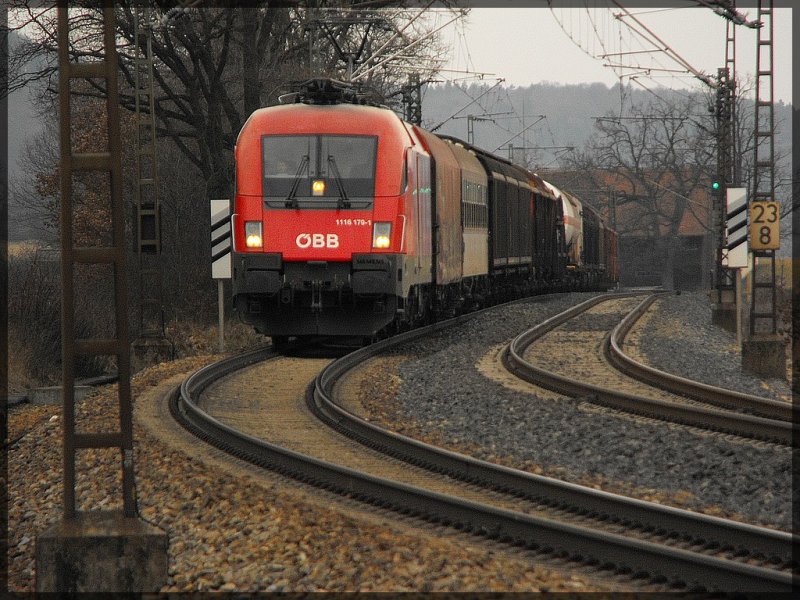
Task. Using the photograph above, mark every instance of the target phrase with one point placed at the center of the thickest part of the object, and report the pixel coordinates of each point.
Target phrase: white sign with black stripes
(221, 239)
(735, 229)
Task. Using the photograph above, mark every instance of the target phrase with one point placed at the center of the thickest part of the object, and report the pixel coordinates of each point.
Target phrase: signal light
(715, 185)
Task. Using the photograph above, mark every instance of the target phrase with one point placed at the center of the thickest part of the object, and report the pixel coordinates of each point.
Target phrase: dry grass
(191, 339)
(783, 272)
(34, 332)
(20, 356)
(21, 248)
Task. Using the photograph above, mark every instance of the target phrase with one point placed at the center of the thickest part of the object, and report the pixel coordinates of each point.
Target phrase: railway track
(589, 527)
(688, 402)
(728, 399)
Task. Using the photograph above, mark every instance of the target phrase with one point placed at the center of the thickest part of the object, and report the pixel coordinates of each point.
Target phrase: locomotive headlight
(381, 234)
(252, 234)
(318, 187)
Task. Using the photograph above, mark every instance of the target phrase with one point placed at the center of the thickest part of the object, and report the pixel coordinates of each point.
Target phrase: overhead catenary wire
(397, 34)
(540, 117)
(607, 35)
(657, 41)
(473, 101)
(640, 32)
(408, 47)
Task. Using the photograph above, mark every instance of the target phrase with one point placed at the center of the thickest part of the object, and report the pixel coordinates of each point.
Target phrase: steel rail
(724, 532)
(748, 426)
(586, 545)
(730, 399)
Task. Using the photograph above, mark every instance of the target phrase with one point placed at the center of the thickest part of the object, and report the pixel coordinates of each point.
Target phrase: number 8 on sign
(765, 226)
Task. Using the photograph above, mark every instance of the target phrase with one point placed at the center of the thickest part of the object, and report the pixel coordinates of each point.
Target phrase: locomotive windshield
(330, 169)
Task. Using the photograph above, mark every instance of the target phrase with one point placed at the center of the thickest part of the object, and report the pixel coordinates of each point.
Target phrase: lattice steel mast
(108, 161)
(763, 305)
(148, 209)
(724, 278)
(412, 99)
(728, 160)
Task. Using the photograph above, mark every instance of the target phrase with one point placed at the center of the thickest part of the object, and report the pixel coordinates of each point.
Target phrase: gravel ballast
(448, 399)
(234, 532)
(679, 338)
(232, 528)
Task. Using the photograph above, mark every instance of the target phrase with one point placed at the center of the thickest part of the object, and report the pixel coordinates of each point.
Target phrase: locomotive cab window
(314, 170)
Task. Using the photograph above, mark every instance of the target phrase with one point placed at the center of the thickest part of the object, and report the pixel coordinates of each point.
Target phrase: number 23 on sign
(765, 226)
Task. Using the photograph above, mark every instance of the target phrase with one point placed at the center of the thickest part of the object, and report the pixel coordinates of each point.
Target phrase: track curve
(744, 425)
(725, 398)
(691, 567)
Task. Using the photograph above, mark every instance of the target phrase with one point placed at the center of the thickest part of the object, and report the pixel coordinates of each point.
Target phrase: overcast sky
(532, 45)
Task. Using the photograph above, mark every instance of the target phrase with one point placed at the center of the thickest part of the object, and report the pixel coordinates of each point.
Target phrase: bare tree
(35, 206)
(213, 67)
(661, 162)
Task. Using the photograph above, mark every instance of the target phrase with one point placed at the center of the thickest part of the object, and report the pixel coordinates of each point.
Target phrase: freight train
(349, 221)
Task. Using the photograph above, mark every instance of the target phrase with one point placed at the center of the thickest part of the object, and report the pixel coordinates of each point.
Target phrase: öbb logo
(317, 240)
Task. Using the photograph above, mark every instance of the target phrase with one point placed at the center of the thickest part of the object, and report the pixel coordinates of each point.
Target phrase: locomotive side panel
(418, 224)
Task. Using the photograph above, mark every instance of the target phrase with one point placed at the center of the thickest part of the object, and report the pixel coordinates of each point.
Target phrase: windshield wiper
(343, 201)
(291, 199)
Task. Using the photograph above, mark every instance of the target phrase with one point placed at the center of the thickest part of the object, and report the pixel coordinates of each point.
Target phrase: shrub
(34, 321)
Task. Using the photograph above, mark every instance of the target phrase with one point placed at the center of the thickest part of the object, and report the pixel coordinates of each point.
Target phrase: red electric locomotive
(332, 220)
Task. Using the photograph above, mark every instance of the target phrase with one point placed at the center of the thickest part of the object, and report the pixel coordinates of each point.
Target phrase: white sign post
(736, 255)
(739, 307)
(736, 228)
(221, 256)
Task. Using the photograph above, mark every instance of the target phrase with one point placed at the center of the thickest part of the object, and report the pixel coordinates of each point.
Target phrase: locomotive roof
(328, 118)
(324, 90)
(332, 119)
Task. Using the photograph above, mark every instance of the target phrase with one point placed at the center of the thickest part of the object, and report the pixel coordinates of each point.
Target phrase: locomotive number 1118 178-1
(354, 222)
